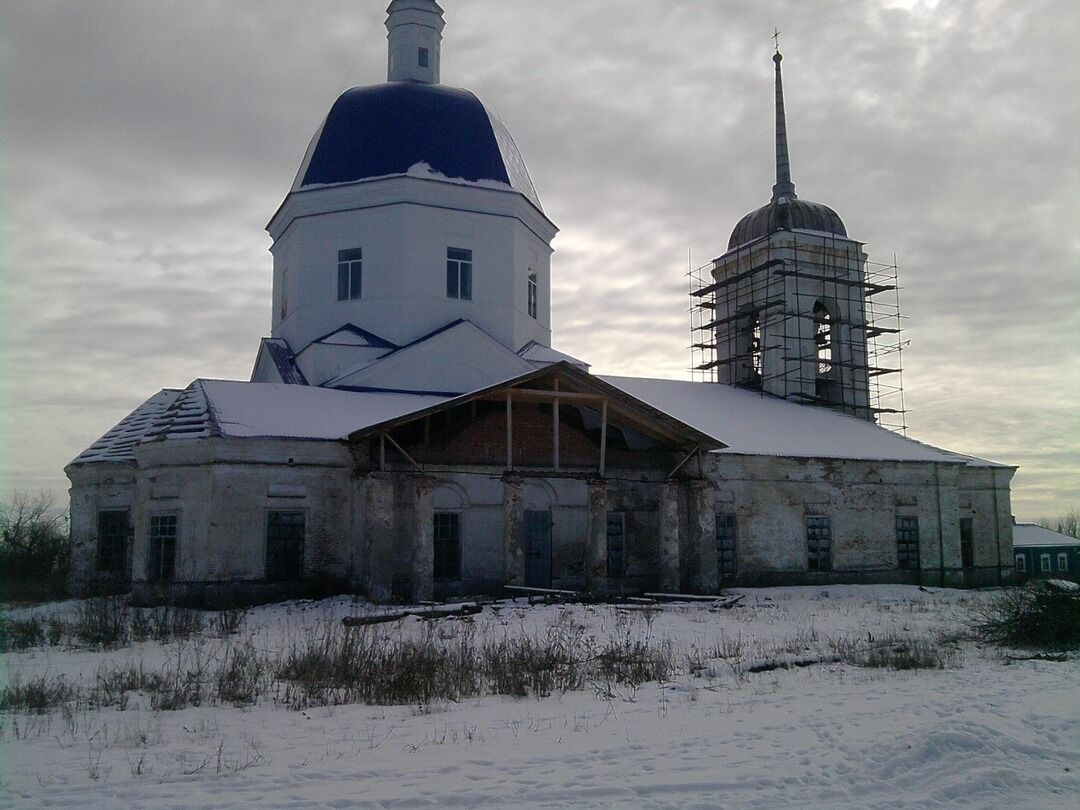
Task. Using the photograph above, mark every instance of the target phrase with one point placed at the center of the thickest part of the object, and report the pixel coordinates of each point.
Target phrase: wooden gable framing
(559, 419)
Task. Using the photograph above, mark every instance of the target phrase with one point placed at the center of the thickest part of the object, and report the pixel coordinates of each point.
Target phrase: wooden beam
(555, 426)
(679, 466)
(537, 395)
(509, 433)
(401, 450)
(603, 437)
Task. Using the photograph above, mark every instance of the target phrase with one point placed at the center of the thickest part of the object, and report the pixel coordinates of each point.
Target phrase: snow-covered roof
(118, 444)
(541, 355)
(281, 355)
(750, 423)
(188, 417)
(304, 412)
(352, 335)
(1029, 534)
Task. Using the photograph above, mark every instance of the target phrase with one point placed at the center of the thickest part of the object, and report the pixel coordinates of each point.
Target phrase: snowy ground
(983, 733)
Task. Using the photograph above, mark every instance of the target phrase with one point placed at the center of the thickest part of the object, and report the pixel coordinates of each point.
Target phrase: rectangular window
(459, 273)
(1063, 561)
(112, 537)
(447, 546)
(819, 543)
(725, 546)
(532, 294)
(350, 272)
(1021, 564)
(616, 544)
(907, 542)
(423, 57)
(284, 294)
(1044, 563)
(285, 546)
(161, 557)
(967, 543)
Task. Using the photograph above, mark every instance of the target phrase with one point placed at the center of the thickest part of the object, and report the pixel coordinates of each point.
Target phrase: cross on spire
(776, 38)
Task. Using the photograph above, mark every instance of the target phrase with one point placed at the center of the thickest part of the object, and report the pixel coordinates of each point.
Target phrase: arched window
(823, 338)
(749, 345)
(756, 362)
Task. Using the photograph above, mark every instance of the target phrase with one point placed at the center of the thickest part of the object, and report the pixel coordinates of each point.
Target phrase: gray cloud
(146, 144)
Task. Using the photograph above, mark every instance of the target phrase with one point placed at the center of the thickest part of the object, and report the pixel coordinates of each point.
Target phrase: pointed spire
(784, 187)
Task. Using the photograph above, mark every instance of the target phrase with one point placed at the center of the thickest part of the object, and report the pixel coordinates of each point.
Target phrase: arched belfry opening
(795, 309)
(751, 367)
(826, 347)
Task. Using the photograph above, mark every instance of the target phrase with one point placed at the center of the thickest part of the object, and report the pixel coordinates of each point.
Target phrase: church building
(409, 432)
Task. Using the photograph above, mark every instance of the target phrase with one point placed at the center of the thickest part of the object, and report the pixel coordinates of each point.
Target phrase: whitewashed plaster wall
(404, 226)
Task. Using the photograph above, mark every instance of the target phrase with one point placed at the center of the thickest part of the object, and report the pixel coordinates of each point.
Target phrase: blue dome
(786, 214)
(388, 128)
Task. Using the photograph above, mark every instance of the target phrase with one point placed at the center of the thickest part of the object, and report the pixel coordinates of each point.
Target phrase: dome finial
(414, 29)
(784, 188)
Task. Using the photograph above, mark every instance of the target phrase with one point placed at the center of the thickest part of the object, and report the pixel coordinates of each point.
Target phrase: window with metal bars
(907, 542)
(819, 543)
(447, 551)
(725, 546)
(616, 544)
(114, 529)
(161, 556)
(285, 546)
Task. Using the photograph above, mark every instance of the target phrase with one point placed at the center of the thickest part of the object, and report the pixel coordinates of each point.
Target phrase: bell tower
(789, 298)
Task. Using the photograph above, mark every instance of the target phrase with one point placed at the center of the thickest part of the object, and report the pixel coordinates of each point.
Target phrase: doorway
(537, 548)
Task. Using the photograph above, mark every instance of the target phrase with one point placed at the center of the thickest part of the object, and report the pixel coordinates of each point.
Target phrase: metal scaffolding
(872, 344)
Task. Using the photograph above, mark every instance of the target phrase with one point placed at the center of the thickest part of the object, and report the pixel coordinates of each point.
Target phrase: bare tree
(30, 522)
(34, 547)
(1068, 524)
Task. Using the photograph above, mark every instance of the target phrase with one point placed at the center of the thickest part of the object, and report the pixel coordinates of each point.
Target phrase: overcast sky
(146, 144)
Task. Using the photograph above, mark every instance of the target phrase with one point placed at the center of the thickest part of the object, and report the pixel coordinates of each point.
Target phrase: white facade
(769, 324)
(414, 32)
(404, 226)
(407, 434)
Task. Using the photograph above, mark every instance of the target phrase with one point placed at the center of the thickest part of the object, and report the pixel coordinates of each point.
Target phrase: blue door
(537, 548)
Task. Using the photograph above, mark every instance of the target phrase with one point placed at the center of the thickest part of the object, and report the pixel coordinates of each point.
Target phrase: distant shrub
(901, 653)
(1042, 614)
(243, 677)
(36, 695)
(21, 634)
(102, 622)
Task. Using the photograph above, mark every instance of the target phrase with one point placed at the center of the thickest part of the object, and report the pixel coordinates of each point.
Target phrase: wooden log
(683, 597)
(731, 602)
(420, 613)
(526, 591)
